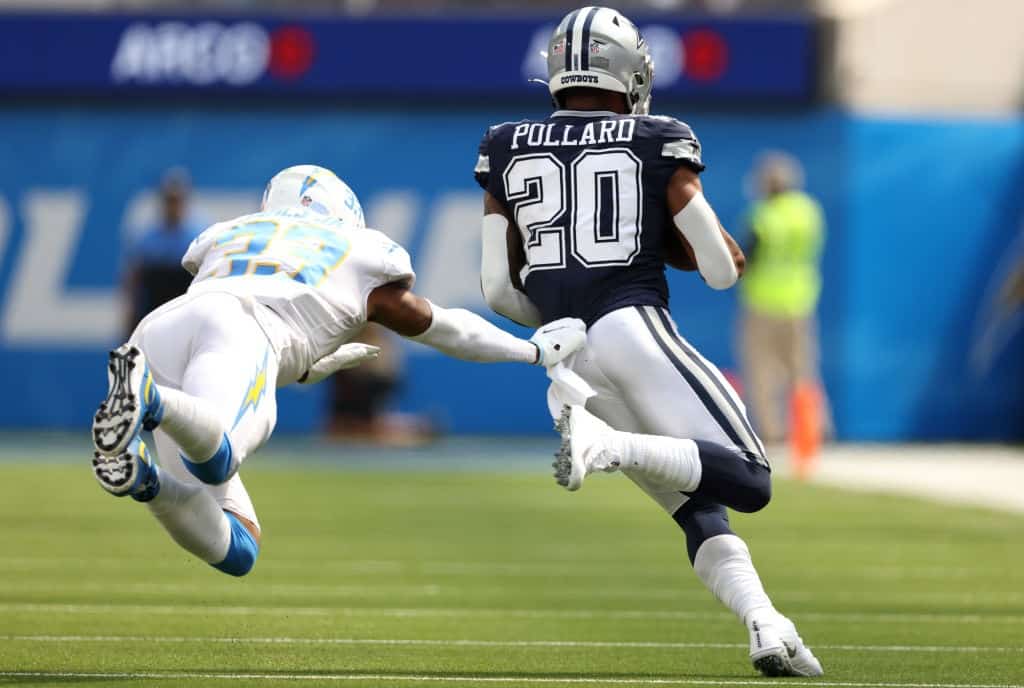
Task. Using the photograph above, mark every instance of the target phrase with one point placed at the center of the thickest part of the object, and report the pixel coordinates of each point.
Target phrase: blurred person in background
(779, 294)
(153, 274)
(359, 398)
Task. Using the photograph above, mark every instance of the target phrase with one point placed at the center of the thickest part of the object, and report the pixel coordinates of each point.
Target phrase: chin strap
(554, 101)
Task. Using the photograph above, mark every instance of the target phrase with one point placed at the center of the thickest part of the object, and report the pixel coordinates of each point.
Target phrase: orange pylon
(806, 428)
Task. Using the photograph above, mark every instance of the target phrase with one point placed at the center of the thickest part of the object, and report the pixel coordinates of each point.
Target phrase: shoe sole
(568, 473)
(778, 657)
(119, 417)
(780, 663)
(115, 474)
(773, 666)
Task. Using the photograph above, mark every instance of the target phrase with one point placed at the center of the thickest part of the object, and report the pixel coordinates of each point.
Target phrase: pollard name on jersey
(588, 193)
(537, 134)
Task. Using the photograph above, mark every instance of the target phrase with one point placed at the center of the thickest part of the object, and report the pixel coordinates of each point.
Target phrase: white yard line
(436, 612)
(392, 590)
(581, 570)
(586, 592)
(486, 643)
(457, 678)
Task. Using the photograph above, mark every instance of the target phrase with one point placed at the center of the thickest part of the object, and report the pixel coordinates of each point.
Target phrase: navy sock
(700, 520)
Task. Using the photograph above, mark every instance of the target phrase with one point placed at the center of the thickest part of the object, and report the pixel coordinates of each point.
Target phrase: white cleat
(776, 649)
(132, 403)
(582, 451)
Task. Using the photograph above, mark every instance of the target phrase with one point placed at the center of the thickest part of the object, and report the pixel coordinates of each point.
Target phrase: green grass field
(444, 576)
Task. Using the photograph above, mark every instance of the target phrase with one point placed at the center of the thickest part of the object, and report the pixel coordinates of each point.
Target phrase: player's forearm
(495, 278)
(513, 304)
(716, 261)
(462, 334)
(739, 259)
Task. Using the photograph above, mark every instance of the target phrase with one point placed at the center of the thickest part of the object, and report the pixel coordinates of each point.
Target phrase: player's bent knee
(218, 468)
(242, 551)
(757, 493)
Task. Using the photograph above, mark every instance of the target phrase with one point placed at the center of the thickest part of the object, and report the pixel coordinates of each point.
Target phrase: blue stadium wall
(920, 330)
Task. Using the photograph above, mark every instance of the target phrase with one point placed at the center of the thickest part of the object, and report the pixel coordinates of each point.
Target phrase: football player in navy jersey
(582, 211)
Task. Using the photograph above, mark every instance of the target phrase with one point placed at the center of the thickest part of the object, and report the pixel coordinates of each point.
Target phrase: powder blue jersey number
(278, 244)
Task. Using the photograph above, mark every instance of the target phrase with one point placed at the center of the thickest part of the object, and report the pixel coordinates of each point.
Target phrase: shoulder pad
(196, 252)
(678, 140)
(483, 160)
(670, 127)
(395, 263)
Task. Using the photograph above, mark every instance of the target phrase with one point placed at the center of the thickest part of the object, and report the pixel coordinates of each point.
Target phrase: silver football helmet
(598, 47)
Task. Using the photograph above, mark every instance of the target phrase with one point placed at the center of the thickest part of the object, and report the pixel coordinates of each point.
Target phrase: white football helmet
(598, 47)
(315, 188)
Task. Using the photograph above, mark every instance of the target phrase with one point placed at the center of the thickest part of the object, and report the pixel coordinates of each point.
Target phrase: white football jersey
(313, 271)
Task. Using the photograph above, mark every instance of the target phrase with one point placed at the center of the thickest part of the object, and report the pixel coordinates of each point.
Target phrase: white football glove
(558, 339)
(345, 356)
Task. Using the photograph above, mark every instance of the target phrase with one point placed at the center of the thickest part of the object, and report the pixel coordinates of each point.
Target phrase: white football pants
(209, 345)
(650, 380)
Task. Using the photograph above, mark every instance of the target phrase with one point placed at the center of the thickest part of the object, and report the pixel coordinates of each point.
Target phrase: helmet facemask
(638, 90)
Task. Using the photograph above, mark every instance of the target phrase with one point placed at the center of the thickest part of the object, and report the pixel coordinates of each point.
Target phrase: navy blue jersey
(588, 193)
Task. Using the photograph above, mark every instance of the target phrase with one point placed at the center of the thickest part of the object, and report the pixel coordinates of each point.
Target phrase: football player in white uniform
(276, 296)
(583, 209)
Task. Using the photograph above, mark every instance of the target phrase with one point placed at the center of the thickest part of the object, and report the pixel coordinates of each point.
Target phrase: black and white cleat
(132, 402)
(129, 473)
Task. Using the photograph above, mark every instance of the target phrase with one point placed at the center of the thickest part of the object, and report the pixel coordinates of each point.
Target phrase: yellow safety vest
(783, 277)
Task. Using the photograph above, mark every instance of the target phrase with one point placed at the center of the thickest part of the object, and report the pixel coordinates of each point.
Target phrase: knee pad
(759, 492)
(215, 470)
(242, 551)
(701, 520)
(734, 478)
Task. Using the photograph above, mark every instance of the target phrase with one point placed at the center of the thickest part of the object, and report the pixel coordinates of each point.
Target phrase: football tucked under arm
(679, 253)
(702, 242)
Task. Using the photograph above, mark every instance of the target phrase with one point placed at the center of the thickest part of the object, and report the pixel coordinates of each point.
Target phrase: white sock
(192, 517)
(723, 564)
(667, 461)
(193, 423)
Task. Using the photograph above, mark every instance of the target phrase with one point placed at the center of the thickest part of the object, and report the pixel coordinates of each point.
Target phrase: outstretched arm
(500, 263)
(716, 254)
(462, 334)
